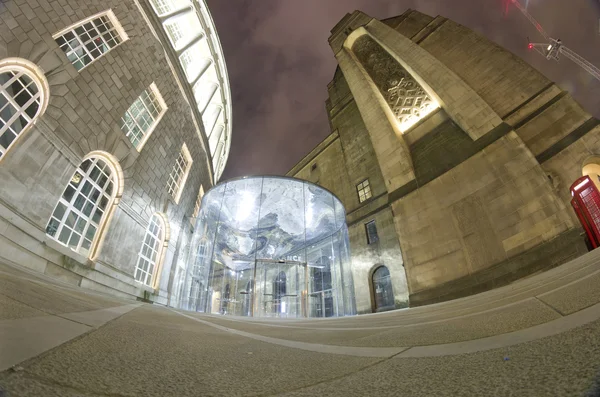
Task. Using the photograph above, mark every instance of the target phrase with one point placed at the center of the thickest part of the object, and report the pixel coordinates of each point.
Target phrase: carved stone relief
(407, 99)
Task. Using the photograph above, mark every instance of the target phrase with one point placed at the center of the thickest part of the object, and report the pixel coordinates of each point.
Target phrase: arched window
(383, 294)
(151, 252)
(84, 206)
(23, 98)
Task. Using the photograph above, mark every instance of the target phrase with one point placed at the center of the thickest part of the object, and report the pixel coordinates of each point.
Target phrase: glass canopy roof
(193, 36)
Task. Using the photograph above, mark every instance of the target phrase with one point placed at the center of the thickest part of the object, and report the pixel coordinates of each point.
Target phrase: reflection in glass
(270, 246)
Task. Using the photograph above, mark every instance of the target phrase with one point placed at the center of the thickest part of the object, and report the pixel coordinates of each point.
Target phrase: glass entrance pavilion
(270, 247)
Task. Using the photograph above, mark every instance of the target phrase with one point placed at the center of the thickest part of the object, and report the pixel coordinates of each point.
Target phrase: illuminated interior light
(246, 206)
(412, 119)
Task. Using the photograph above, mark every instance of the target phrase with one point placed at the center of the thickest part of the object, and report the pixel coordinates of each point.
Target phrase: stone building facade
(114, 118)
(455, 151)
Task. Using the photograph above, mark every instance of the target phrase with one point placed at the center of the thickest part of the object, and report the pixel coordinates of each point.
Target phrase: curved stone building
(115, 116)
(453, 159)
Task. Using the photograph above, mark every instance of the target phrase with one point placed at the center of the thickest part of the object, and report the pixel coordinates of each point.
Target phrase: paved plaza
(536, 337)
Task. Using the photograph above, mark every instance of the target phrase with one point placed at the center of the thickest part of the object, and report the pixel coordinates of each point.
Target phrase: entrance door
(280, 288)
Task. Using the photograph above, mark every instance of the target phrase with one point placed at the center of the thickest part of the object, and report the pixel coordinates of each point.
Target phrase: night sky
(279, 62)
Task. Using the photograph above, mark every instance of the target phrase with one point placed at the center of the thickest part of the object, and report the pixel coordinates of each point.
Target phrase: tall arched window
(383, 294)
(23, 98)
(85, 205)
(151, 252)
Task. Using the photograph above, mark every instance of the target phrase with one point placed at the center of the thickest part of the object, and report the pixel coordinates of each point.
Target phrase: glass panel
(270, 246)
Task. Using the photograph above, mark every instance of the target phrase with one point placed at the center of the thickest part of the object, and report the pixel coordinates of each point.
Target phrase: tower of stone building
(115, 116)
(453, 158)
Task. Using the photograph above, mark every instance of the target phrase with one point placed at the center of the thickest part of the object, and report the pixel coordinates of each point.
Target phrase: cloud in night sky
(280, 63)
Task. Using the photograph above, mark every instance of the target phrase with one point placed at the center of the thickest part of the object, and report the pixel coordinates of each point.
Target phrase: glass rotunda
(270, 247)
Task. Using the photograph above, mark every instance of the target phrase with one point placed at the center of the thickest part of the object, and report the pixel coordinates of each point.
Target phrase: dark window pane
(87, 187)
(52, 227)
(74, 240)
(71, 219)
(31, 111)
(103, 203)
(91, 231)
(79, 202)
(68, 195)
(97, 216)
(7, 138)
(59, 212)
(64, 235)
(80, 225)
(87, 210)
(85, 165)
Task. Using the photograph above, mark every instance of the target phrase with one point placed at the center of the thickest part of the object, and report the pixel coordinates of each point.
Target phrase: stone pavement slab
(12, 309)
(153, 351)
(27, 337)
(562, 365)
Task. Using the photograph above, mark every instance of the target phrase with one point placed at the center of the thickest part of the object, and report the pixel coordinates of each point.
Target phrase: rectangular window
(89, 39)
(364, 191)
(371, 229)
(143, 116)
(198, 201)
(179, 173)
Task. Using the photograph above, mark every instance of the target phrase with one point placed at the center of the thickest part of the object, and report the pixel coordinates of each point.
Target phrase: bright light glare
(309, 214)
(413, 119)
(245, 206)
(283, 307)
(549, 47)
(579, 186)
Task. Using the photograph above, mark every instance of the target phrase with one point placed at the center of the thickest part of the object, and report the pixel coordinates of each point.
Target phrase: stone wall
(489, 201)
(84, 115)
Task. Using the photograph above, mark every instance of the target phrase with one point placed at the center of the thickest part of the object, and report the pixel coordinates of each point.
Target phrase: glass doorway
(280, 288)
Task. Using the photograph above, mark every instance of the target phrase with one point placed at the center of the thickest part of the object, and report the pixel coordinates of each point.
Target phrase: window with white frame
(193, 62)
(21, 98)
(89, 39)
(364, 191)
(182, 29)
(82, 209)
(143, 116)
(179, 173)
(163, 7)
(198, 201)
(151, 251)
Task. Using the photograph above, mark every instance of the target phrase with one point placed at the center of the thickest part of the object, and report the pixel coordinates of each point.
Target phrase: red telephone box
(586, 202)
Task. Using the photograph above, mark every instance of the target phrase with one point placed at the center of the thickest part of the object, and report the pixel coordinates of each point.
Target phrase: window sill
(66, 251)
